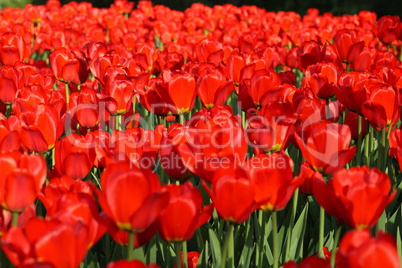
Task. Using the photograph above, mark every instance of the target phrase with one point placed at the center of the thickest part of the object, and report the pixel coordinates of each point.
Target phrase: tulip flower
(213, 88)
(272, 177)
(309, 262)
(46, 242)
(233, 194)
(355, 196)
(326, 146)
(192, 259)
(21, 179)
(8, 83)
(270, 129)
(359, 249)
(183, 214)
(322, 78)
(40, 128)
(131, 197)
(72, 156)
(13, 49)
(67, 67)
(347, 45)
(85, 106)
(130, 264)
(388, 28)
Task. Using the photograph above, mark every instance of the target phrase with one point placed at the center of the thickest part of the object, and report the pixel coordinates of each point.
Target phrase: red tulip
(169, 156)
(85, 106)
(309, 262)
(356, 196)
(67, 67)
(381, 107)
(22, 178)
(272, 177)
(13, 49)
(8, 83)
(10, 139)
(133, 263)
(270, 129)
(183, 214)
(40, 128)
(326, 146)
(73, 208)
(131, 197)
(388, 28)
(359, 249)
(72, 156)
(213, 88)
(192, 259)
(347, 45)
(42, 242)
(233, 194)
(261, 82)
(322, 78)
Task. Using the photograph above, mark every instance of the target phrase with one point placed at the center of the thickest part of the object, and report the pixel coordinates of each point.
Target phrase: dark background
(337, 7)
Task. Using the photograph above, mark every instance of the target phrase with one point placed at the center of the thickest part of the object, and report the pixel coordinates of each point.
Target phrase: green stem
(275, 239)
(359, 139)
(261, 220)
(177, 250)
(67, 94)
(117, 121)
(184, 247)
(181, 119)
(382, 152)
(225, 253)
(130, 246)
(335, 248)
(371, 145)
(15, 219)
(321, 233)
(134, 103)
(8, 109)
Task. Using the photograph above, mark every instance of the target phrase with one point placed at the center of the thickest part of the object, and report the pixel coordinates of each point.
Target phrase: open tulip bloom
(223, 136)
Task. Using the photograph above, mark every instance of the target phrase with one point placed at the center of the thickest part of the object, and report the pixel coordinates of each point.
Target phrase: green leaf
(215, 247)
(298, 233)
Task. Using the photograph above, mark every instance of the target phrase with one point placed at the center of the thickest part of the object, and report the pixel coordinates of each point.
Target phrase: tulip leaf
(399, 244)
(215, 248)
(139, 254)
(298, 232)
(152, 251)
(248, 248)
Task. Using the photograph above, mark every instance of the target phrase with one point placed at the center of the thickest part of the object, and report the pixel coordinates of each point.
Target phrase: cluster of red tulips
(215, 137)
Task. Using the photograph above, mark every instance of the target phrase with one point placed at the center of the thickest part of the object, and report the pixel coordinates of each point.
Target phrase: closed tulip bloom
(72, 156)
(184, 213)
(213, 88)
(359, 249)
(40, 128)
(347, 45)
(388, 28)
(46, 243)
(270, 129)
(21, 179)
(326, 146)
(232, 194)
(13, 49)
(67, 67)
(131, 197)
(355, 196)
(9, 79)
(273, 180)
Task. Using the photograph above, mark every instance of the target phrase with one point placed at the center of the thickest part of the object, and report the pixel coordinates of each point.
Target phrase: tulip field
(224, 136)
